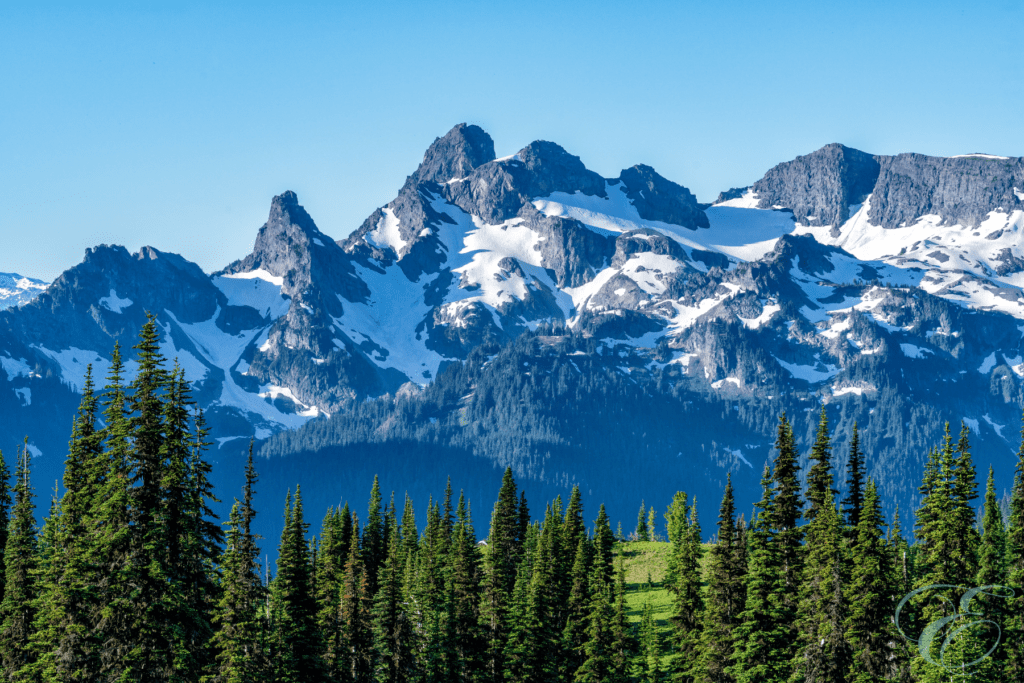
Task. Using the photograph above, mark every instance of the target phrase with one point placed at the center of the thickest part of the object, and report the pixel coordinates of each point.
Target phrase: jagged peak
(455, 155)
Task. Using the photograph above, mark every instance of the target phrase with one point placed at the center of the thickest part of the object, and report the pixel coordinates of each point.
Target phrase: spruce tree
(504, 546)
(63, 644)
(574, 634)
(688, 602)
(5, 518)
(356, 652)
(374, 549)
(237, 641)
(724, 599)
(877, 649)
(111, 532)
(604, 541)
(762, 653)
(642, 534)
(330, 569)
(464, 595)
(819, 477)
(854, 501)
(393, 634)
(296, 637)
(18, 609)
(650, 647)
(1014, 637)
(823, 654)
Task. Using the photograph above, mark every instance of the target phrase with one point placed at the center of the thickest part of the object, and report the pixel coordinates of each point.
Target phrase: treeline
(130, 577)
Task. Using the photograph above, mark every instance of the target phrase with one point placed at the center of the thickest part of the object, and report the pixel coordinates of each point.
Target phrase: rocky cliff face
(821, 186)
(961, 190)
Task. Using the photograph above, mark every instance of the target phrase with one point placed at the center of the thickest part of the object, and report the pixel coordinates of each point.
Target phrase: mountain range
(611, 332)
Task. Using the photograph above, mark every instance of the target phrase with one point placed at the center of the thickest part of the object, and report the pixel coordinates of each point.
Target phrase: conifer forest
(131, 577)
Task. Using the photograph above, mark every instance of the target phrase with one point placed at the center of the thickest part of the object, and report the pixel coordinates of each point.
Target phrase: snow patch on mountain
(74, 361)
(114, 302)
(260, 274)
(809, 373)
(387, 235)
(15, 367)
(25, 394)
(256, 291)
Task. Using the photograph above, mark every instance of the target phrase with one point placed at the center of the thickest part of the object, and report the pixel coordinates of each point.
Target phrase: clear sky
(173, 124)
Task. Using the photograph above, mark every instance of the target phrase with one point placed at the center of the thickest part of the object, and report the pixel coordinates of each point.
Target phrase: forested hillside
(132, 577)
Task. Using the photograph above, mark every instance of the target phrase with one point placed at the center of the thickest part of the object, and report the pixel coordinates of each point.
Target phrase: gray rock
(497, 191)
(639, 241)
(961, 190)
(455, 155)
(1008, 262)
(658, 199)
(821, 186)
(734, 193)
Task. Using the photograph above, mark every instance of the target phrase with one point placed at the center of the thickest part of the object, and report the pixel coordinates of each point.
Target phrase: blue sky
(173, 124)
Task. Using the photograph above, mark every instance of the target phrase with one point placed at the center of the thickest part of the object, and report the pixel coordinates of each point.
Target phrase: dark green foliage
(819, 477)
(642, 532)
(1014, 671)
(297, 640)
(725, 597)
(854, 500)
(239, 642)
(877, 650)
(688, 602)
(393, 635)
(18, 609)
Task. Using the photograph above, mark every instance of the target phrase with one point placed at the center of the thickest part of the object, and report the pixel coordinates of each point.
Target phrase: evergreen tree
(686, 620)
(237, 641)
(761, 653)
(504, 546)
(355, 653)
(1013, 641)
(5, 518)
(819, 477)
(650, 647)
(392, 628)
(63, 643)
(111, 533)
(330, 574)
(824, 655)
(854, 501)
(604, 541)
(725, 597)
(464, 593)
(374, 548)
(642, 534)
(574, 634)
(876, 646)
(296, 638)
(18, 609)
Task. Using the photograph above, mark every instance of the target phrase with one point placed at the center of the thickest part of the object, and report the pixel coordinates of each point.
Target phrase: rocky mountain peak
(455, 155)
(659, 199)
(820, 187)
(284, 243)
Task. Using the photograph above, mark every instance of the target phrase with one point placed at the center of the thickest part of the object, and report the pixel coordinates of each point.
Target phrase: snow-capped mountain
(888, 288)
(16, 290)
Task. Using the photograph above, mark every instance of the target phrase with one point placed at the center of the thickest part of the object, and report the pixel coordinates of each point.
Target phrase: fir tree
(18, 609)
(356, 653)
(5, 519)
(824, 654)
(876, 646)
(854, 500)
(297, 639)
(1014, 637)
(686, 620)
(111, 532)
(762, 653)
(574, 634)
(374, 548)
(604, 541)
(237, 641)
(819, 477)
(650, 647)
(504, 546)
(464, 593)
(642, 534)
(725, 597)
(392, 629)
